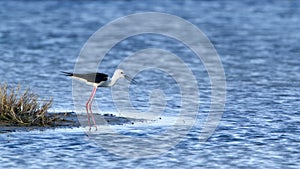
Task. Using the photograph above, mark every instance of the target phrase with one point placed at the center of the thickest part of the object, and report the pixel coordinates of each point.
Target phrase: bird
(97, 80)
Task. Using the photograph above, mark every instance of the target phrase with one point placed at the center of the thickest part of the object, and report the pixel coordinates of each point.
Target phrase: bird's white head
(119, 73)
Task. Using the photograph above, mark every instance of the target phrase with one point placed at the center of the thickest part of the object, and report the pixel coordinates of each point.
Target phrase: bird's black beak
(130, 79)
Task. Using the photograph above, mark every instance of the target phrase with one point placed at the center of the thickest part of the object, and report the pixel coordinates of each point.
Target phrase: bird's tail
(67, 73)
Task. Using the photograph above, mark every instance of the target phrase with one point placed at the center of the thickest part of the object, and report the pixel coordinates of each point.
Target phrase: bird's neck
(113, 80)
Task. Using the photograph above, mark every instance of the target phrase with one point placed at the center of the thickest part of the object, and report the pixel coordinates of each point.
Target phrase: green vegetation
(23, 108)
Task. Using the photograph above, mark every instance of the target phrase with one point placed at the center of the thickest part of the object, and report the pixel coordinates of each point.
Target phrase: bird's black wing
(93, 77)
(90, 77)
(67, 73)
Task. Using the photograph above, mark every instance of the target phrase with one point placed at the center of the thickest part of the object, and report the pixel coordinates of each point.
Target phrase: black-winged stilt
(97, 80)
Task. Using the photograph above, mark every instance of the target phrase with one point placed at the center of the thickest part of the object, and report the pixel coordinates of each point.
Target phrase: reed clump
(23, 108)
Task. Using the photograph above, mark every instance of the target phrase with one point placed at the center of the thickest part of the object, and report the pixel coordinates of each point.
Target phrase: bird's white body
(119, 73)
(101, 84)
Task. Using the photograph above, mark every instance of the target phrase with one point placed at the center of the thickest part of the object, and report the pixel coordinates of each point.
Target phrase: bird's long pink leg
(87, 112)
(87, 105)
(90, 106)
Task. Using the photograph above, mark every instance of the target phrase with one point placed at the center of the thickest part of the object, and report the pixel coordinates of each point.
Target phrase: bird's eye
(122, 72)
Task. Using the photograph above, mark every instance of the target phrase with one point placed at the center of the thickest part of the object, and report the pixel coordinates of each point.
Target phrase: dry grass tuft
(23, 108)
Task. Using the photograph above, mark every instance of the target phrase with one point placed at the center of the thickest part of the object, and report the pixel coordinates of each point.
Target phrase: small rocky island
(20, 110)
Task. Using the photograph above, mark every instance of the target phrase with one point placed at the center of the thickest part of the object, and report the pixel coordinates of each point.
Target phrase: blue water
(257, 41)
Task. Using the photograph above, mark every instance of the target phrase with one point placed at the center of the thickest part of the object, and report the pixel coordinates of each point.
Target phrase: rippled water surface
(257, 41)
